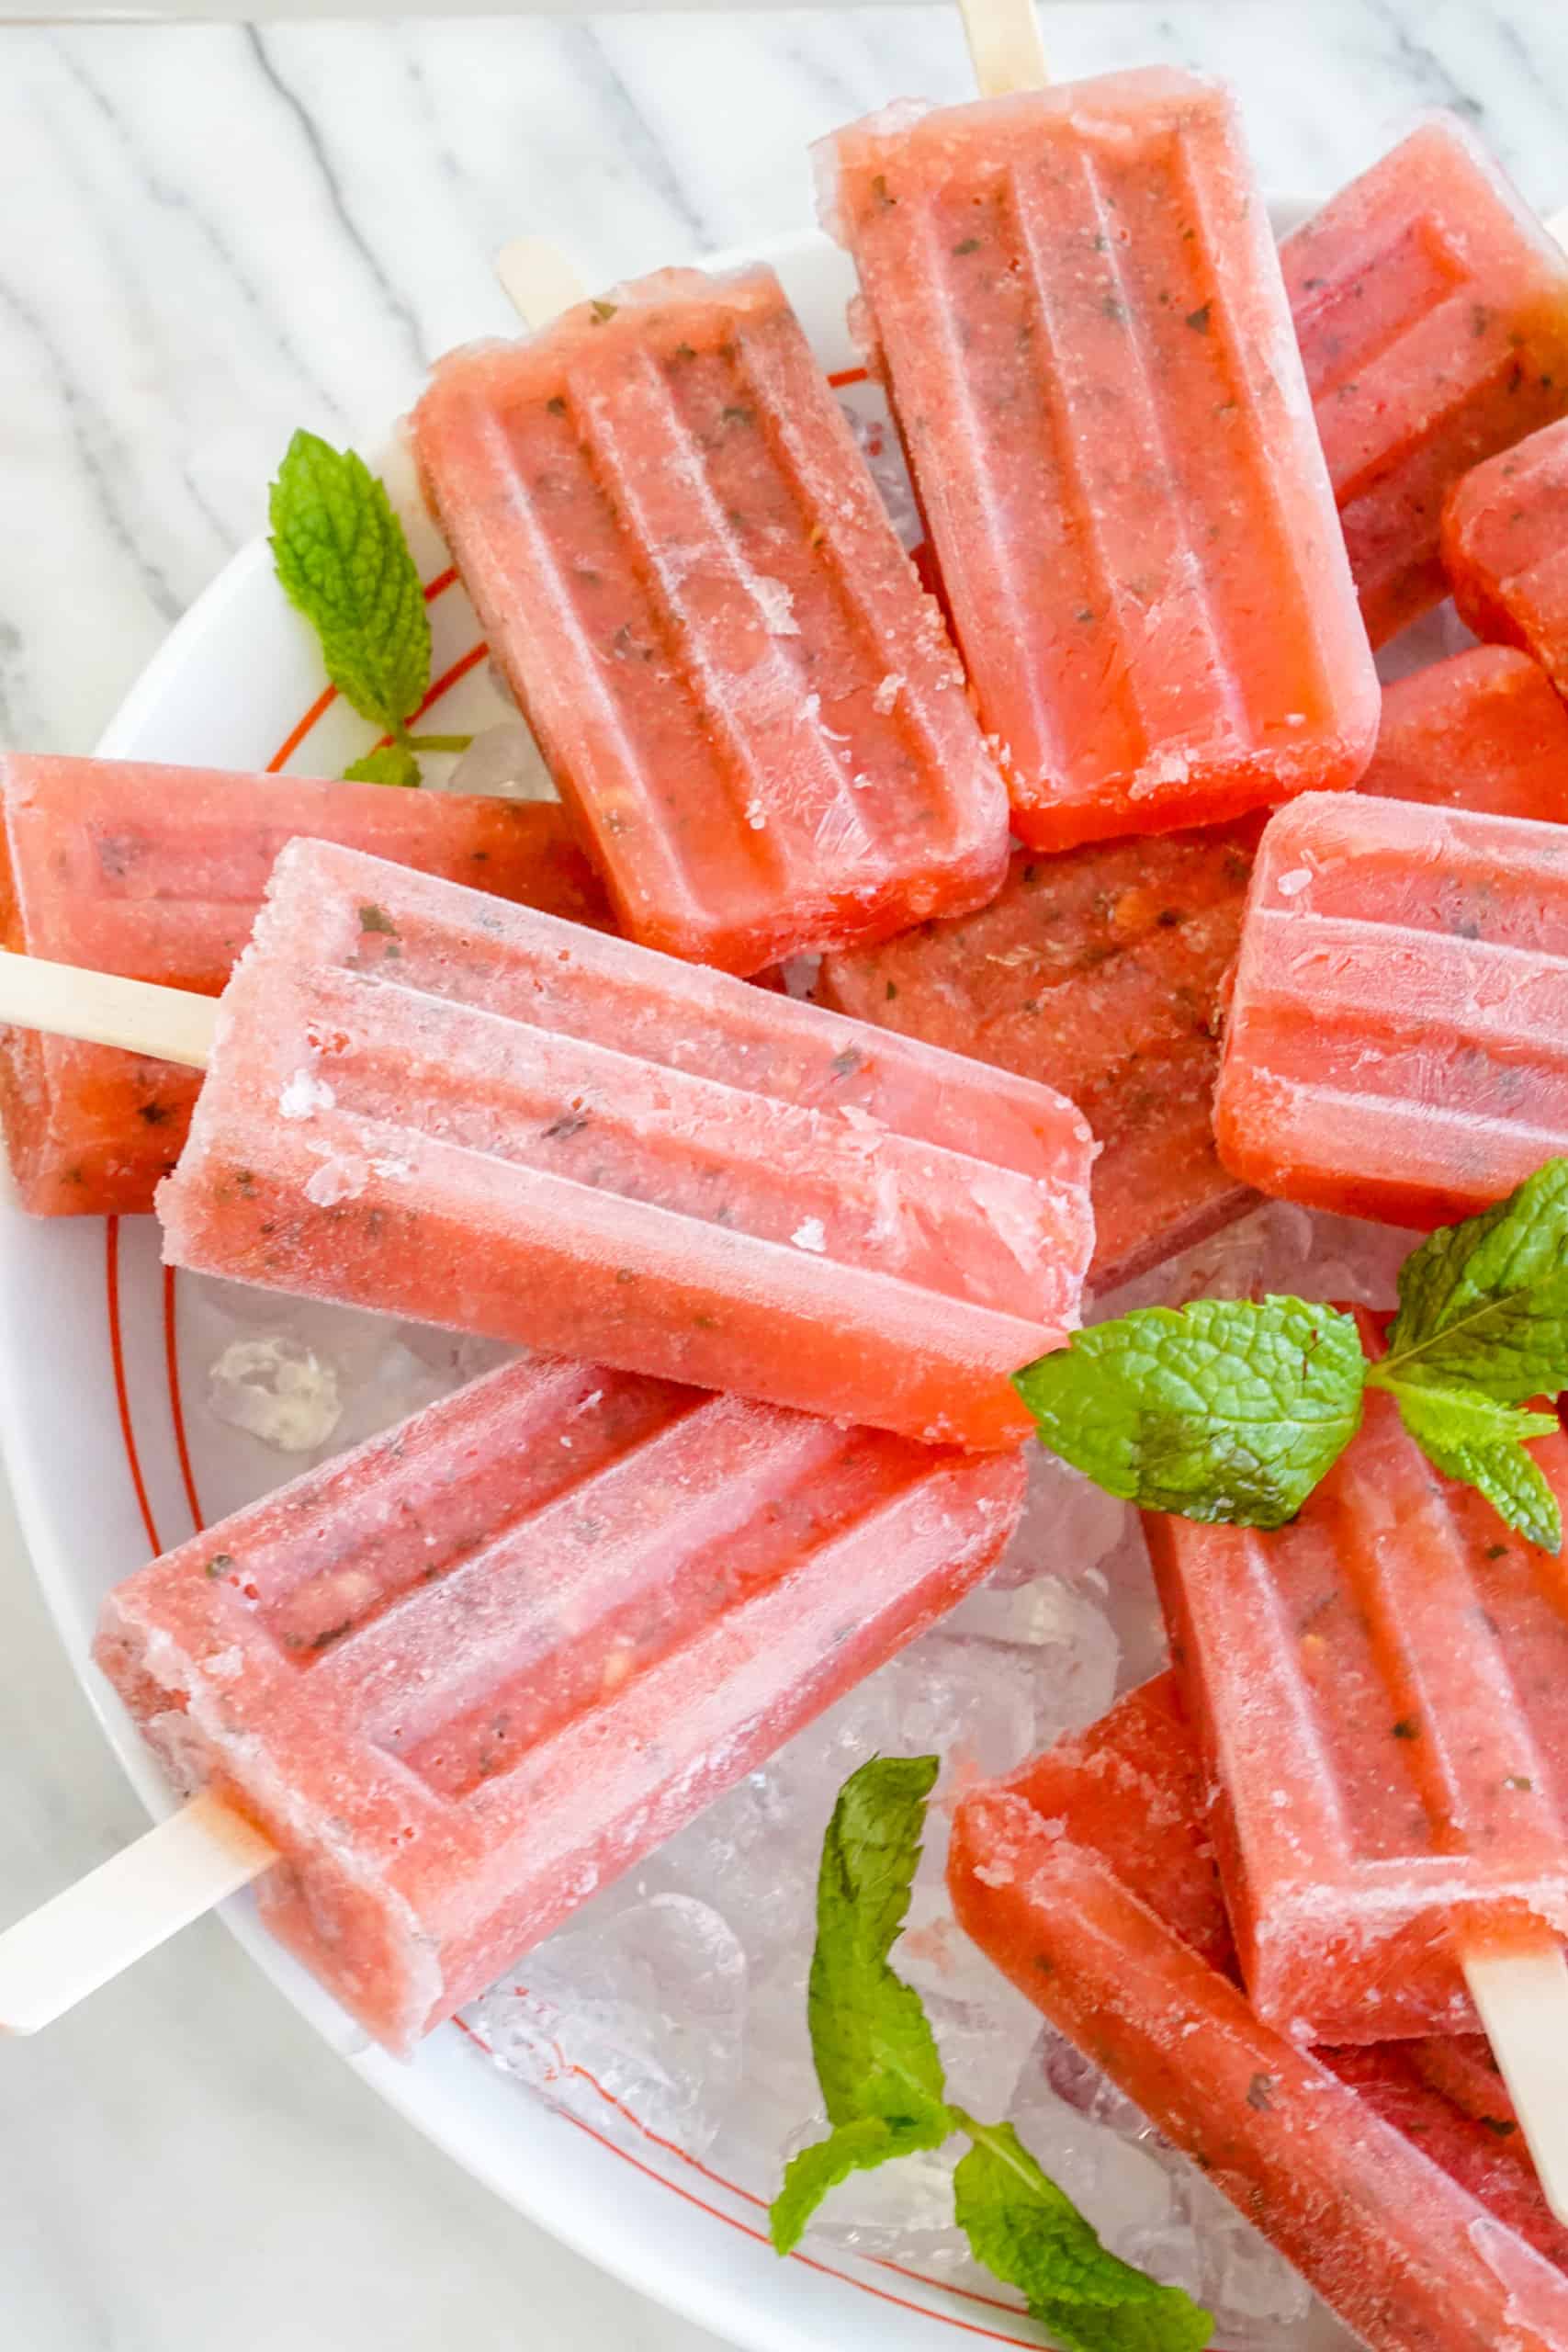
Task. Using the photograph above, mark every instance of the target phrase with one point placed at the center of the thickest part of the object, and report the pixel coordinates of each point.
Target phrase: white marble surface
(209, 235)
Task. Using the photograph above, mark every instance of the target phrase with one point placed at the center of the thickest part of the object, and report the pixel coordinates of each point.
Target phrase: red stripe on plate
(176, 1402)
(121, 1392)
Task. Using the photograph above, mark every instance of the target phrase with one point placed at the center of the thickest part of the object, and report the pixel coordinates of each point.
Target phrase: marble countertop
(209, 235)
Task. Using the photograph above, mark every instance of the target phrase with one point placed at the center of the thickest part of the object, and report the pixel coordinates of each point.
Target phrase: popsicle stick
(172, 1025)
(1005, 47)
(123, 1910)
(1522, 1996)
(537, 280)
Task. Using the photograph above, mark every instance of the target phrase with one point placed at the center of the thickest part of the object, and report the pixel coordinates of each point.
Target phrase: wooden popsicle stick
(1005, 47)
(537, 280)
(171, 1024)
(123, 1910)
(1522, 1992)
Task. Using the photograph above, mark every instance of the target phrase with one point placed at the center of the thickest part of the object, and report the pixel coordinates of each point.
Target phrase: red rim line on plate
(328, 696)
(122, 1388)
(970, 2328)
(578, 2073)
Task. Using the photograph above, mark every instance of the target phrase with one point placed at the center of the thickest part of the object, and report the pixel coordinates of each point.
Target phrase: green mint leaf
(1484, 1304)
(342, 558)
(881, 2080)
(1022, 2227)
(872, 2048)
(1227, 1410)
(853, 2147)
(388, 763)
(1470, 1436)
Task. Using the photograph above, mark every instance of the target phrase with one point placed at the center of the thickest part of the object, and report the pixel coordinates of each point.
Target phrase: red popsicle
(1506, 549)
(1484, 731)
(1086, 1878)
(424, 1101)
(1098, 971)
(1076, 301)
(1396, 1040)
(1381, 1693)
(684, 568)
(156, 872)
(1431, 308)
(473, 1670)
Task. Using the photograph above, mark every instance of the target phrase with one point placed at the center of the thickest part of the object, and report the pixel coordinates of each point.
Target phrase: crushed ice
(502, 762)
(674, 2003)
(279, 1391)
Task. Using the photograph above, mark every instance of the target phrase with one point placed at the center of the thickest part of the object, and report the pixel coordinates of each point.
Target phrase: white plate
(96, 1445)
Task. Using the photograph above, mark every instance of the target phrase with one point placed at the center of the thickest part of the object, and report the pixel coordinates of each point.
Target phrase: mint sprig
(344, 561)
(1231, 1411)
(885, 2091)
(1226, 1409)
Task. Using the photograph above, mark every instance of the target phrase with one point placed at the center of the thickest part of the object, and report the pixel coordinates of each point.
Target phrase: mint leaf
(853, 2147)
(1484, 1304)
(872, 2047)
(875, 2058)
(881, 2080)
(341, 558)
(1022, 2227)
(388, 763)
(1227, 1410)
(1470, 1435)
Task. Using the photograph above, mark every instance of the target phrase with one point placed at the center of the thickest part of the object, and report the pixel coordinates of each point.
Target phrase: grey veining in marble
(207, 236)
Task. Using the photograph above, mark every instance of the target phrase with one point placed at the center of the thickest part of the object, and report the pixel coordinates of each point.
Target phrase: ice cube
(278, 1390)
(1065, 1640)
(640, 2010)
(502, 762)
(1253, 2292)
(1069, 1523)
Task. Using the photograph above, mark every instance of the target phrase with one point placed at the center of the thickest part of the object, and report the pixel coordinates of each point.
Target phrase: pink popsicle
(1395, 1041)
(424, 1101)
(1076, 301)
(1088, 1880)
(1099, 972)
(1506, 549)
(156, 872)
(476, 1668)
(684, 568)
(1484, 730)
(1432, 312)
(1379, 1694)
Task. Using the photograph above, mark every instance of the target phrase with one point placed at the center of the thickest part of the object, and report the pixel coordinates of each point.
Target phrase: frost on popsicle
(1231, 1410)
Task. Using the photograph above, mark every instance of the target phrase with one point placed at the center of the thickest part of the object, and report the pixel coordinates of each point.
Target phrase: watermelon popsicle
(156, 872)
(1098, 971)
(1481, 731)
(1431, 308)
(1378, 1689)
(1502, 546)
(1102, 971)
(1088, 1880)
(425, 1100)
(1393, 1042)
(1075, 301)
(687, 575)
(458, 1679)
